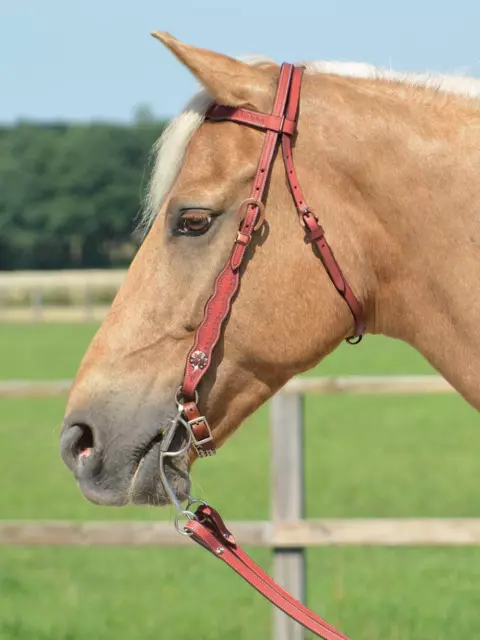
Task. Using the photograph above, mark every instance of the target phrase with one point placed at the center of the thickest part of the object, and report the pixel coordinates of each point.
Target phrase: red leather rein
(207, 528)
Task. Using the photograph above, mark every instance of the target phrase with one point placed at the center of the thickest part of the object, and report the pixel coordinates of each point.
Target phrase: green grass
(42, 351)
(366, 456)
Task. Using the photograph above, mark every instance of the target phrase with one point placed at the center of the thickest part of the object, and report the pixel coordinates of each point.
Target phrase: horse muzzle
(126, 464)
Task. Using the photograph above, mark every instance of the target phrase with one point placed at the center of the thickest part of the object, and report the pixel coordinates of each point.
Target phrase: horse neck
(408, 161)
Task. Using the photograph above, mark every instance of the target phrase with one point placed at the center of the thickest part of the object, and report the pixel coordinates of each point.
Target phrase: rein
(205, 526)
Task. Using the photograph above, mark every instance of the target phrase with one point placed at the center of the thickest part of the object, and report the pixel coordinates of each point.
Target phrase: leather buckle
(199, 443)
(306, 212)
(242, 210)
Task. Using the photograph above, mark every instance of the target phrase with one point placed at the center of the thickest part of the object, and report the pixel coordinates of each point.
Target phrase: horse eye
(194, 222)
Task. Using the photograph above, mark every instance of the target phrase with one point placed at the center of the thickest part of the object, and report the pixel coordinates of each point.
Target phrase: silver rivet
(220, 550)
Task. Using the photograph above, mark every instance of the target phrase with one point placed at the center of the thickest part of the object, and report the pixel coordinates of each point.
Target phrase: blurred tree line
(70, 193)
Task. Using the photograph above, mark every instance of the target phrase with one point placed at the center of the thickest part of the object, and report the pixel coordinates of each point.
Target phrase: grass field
(366, 456)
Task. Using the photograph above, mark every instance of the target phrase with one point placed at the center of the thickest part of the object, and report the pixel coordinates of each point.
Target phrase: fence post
(37, 304)
(89, 310)
(288, 501)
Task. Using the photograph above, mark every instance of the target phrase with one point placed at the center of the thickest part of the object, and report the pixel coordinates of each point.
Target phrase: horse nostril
(83, 447)
(77, 444)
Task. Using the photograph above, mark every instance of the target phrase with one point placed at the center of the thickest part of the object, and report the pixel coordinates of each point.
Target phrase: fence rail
(33, 388)
(354, 385)
(40, 312)
(403, 532)
(288, 534)
(58, 296)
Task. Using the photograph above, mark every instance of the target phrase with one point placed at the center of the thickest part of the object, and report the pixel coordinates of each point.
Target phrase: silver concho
(198, 360)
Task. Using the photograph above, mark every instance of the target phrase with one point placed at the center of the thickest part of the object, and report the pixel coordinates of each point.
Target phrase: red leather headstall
(281, 124)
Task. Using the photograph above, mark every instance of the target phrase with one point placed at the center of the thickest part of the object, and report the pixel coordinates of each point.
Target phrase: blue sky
(94, 59)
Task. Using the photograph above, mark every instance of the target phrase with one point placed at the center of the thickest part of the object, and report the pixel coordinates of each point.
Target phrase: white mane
(169, 150)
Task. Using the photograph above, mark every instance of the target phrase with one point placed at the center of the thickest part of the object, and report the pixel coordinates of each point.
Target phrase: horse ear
(228, 81)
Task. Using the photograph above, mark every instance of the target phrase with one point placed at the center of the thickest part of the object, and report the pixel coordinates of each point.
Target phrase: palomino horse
(389, 164)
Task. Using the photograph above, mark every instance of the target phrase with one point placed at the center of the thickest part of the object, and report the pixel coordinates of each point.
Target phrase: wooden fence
(38, 311)
(288, 533)
(82, 295)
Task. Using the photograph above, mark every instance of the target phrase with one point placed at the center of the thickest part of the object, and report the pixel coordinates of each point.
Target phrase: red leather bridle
(206, 526)
(280, 124)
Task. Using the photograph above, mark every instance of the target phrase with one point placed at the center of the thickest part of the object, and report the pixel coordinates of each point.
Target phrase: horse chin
(147, 487)
(139, 483)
